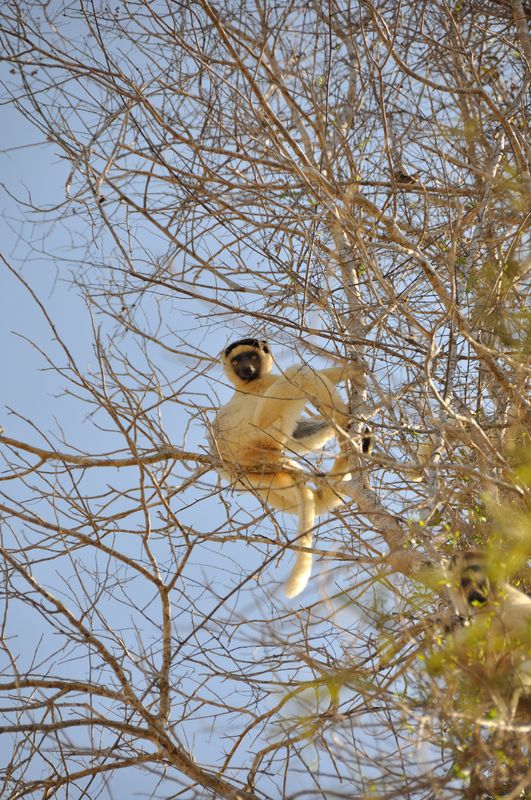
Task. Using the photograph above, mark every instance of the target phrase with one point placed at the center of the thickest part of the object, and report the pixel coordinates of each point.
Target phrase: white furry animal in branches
(492, 640)
(261, 423)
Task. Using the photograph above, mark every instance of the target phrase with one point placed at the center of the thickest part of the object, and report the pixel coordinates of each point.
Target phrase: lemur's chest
(236, 437)
(238, 413)
(233, 426)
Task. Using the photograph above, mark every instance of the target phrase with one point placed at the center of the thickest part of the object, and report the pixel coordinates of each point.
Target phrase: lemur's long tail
(302, 569)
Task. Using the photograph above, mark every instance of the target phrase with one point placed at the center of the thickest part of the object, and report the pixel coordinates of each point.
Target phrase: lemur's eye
(234, 361)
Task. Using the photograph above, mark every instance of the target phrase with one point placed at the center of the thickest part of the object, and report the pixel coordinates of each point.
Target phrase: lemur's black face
(475, 586)
(246, 360)
(247, 365)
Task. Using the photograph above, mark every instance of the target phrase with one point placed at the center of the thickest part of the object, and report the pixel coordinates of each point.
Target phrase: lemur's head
(246, 360)
(469, 585)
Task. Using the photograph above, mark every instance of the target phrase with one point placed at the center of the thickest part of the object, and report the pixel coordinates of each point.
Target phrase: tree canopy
(350, 181)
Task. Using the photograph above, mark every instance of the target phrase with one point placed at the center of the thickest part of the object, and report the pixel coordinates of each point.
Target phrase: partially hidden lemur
(492, 641)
